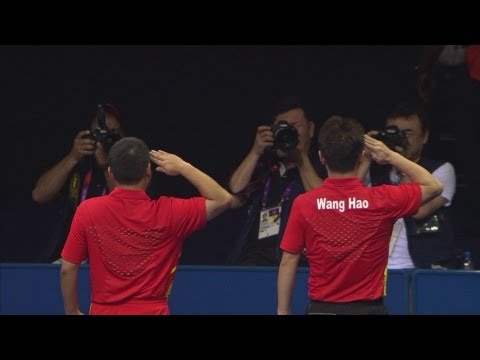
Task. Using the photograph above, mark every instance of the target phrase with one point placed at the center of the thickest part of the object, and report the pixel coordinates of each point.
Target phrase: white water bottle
(467, 261)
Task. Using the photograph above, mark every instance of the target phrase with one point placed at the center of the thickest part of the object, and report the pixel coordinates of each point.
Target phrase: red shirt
(346, 229)
(133, 244)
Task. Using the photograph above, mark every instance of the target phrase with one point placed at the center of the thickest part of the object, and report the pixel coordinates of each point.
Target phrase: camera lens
(393, 137)
(285, 135)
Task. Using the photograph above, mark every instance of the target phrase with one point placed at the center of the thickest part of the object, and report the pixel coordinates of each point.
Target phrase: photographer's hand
(300, 157)
(51, 182)
(263, 139)
(82, 146)
(300, 154)
(243, 174)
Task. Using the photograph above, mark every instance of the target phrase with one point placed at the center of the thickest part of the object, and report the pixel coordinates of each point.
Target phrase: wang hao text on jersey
(340, 205)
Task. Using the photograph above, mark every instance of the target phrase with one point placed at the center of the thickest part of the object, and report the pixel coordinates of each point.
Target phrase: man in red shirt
(133, 243)
(345, 227)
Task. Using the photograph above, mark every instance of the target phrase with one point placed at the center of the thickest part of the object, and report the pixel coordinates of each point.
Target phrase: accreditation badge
(269, 222)
(395, 232)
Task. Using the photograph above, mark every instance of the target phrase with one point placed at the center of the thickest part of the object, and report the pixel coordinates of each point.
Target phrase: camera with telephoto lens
(103, 134)
(285, 136)
(392, 137)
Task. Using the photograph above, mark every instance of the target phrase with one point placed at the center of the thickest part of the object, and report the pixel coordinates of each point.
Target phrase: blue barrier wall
(198, 290)
(232, 290)
(397, 298)
(34, 289)
(253, 291)
(437, 292)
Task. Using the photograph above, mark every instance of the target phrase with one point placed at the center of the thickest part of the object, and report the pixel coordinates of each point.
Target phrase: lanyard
(285, 195)
(86, 185)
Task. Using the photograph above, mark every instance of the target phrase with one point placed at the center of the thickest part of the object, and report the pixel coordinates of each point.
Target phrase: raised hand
(300, 153)
(167, 163)
(379, 152)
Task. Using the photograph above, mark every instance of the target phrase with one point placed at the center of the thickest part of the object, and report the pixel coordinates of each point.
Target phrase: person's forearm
(286, 282)
(415, 172)
(69, 285)
(206, 186)
(243, 174)
(431, 187)
(430, 208)
(52, 181)
(218, 199)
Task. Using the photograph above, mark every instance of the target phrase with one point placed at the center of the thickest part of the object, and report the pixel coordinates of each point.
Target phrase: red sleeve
(75, 250)
(188, 216)
(293, 239)
(404, 199)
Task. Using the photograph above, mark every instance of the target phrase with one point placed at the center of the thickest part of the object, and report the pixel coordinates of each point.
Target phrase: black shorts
(373, 307)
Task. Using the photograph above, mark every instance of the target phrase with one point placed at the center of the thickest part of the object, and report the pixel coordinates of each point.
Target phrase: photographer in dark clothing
(275, 171)
(80, 175)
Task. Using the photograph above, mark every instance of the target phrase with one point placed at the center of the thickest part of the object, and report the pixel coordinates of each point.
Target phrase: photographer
(80, 175)
(275, 171)
(424, 240)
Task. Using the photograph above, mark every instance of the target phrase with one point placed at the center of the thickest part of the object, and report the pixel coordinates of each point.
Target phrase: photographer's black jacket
(269, 249)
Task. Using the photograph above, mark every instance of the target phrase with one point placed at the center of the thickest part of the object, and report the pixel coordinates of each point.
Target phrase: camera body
(285, 136)
(102, 133)
(392, 137)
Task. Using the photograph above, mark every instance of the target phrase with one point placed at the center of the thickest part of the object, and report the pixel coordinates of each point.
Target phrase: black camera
(285, 136)
(392, 137)
(102, 133)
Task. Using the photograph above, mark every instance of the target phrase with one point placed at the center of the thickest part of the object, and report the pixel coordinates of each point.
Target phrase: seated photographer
(275, 171)
(424, 240)
(80, 175)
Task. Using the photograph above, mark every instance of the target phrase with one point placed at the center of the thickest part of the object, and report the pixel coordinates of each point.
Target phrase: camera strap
(266, 190)
(74, 189)
(86, 185)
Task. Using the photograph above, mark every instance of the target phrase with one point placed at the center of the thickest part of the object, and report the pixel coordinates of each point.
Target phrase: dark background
(200, 102)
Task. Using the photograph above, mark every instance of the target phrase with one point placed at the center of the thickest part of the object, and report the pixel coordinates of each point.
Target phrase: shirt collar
(343, 181)
(129, 194)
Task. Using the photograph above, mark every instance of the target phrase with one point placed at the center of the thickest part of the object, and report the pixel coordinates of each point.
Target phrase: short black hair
(128, 159)
(291, 102)
(340, 140)
(411, 108)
